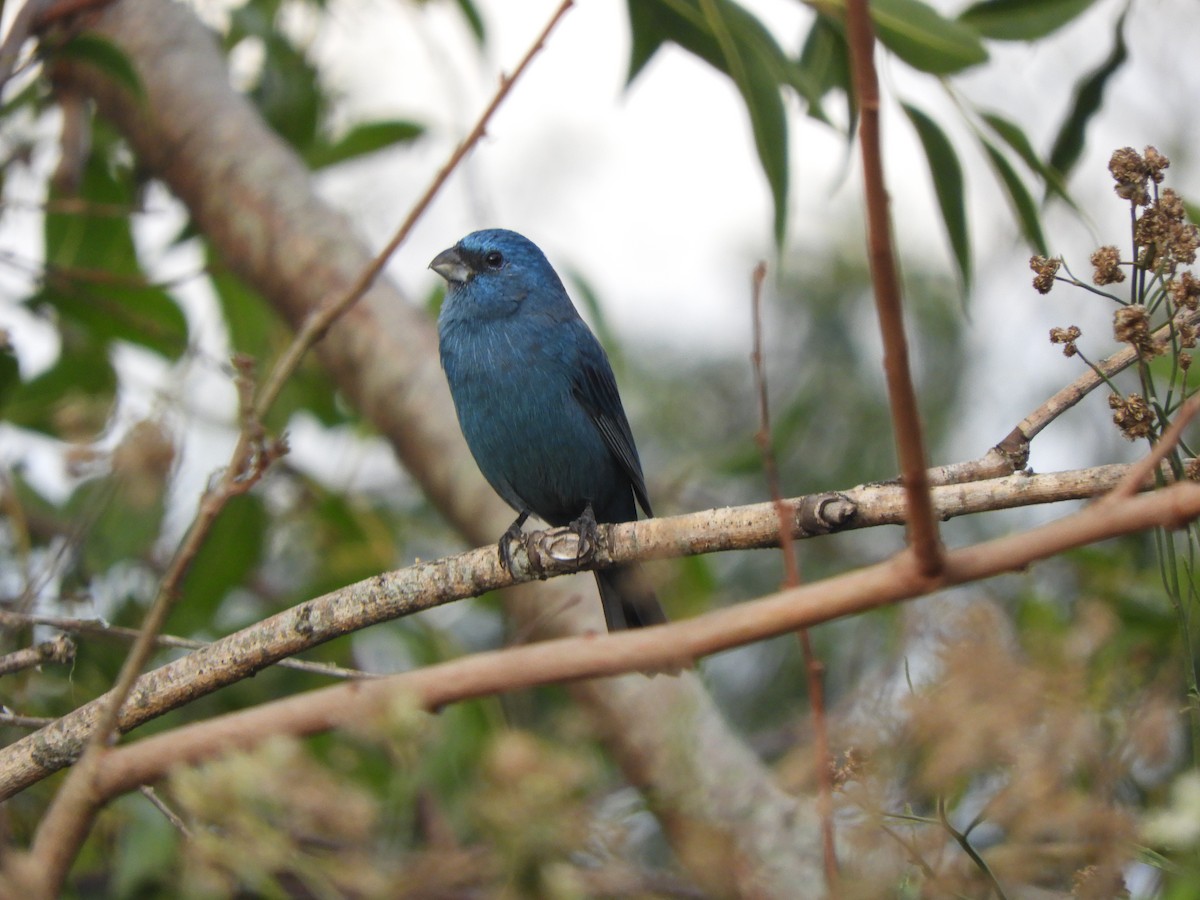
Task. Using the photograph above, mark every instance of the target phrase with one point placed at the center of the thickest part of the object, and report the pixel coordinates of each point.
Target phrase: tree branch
(589, 656)
(902, 397)
(392, 595)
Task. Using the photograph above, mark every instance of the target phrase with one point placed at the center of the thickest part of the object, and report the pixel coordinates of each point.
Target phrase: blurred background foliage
(510, 796)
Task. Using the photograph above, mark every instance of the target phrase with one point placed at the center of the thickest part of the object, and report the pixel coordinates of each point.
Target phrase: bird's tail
(627, 598)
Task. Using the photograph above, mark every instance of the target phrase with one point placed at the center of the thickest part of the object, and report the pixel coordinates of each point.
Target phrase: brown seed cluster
(1131, 325)
(1067, 337)
(1132, 415)
(1106, 262)
(1184, 291)
(1045, 270)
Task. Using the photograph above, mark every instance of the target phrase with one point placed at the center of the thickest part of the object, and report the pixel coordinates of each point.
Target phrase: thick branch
(572, 658)
(424, 585)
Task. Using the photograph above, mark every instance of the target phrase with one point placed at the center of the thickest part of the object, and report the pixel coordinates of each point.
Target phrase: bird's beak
(450, 265)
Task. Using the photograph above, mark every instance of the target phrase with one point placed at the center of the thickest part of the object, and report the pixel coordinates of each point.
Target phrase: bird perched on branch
(538, 404)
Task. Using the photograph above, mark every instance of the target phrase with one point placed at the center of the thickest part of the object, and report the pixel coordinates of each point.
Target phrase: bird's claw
(514, 533)
(586, 527)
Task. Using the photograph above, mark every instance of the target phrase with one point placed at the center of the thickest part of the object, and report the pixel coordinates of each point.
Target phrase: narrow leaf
(474, 20)
(925, 39)
(1021, 20)
(1022, 201)
(361, 140)
(947, 175)
(825, 64)
(1068, 145)
(1012, 135)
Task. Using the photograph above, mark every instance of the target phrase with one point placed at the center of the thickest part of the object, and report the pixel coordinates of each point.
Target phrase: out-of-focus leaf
(369, 137)
(1069, 143)
(947, 175)
(119, 525)
(258, 332)
(825, 62)
(474, 20)
(288, 93)
(1022, 201)
(729, 38)
(1021, 20)
(355, 540)
(925, 39)
(1011, 133)
(1192, 210)
(94, 279)
(82, 383)
(104, 55)
(231, 552)
(10, 372)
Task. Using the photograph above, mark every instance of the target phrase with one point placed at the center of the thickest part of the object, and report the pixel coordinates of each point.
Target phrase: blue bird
(538, 404)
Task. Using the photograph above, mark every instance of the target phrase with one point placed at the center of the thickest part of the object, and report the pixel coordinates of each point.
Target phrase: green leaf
(1021, 20)
(825, 64)
(288, 93)
(82, 382)
(1022, 201)
(257, 331)
(121, 525)
(232, 551)
(925, 39)
(733, 41)
(1069, 143)
(104, 55)
(94, 280)
(370, 137)
(1011, 133)
(947, 177)
(474, 20)
(10, 371)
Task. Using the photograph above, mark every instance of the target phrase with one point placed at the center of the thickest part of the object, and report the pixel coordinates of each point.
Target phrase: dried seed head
(1046, 269)
(1130, 173)
(1107, 264)
(1131, 325)
(1155, 163)
(1164, 236)
(1191, 469)
(1131, 414)
(1067, 337)
(1184, 291)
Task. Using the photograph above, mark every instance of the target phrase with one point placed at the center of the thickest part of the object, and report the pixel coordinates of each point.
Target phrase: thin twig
(902, 400)
(100, 628)
(169, 814)
(813, 666)
(17, 721)
(59, 650)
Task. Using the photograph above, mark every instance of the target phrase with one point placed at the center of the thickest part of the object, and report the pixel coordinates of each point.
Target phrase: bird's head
(493, 272)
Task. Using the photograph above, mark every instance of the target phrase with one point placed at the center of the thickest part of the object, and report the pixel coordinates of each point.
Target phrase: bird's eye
(494, 259)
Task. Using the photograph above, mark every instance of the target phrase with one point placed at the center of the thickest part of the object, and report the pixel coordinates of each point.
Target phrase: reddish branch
(902, 398)
(814, 669)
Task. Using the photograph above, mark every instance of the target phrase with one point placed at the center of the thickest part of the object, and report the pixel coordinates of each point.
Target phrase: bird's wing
(596, 390)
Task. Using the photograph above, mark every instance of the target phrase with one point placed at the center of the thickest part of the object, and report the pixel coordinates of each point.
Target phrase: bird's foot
(585, 527)
(514, 533)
